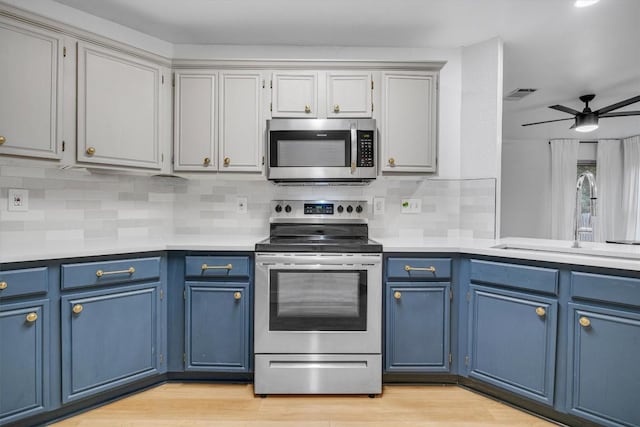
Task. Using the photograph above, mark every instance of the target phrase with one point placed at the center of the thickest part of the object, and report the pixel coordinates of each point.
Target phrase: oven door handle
(318, 260)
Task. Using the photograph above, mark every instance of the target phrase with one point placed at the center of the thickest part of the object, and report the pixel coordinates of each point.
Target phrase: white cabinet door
(348, 94)
(118, 108)
(408, 130)
(294, 94)
(241, 121)
(30, 91)
(195, 125)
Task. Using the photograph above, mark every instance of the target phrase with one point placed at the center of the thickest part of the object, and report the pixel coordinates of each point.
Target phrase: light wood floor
(218, 405)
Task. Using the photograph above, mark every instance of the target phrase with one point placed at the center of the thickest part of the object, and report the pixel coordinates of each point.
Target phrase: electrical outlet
(411, 206)
(241, 205)
(378, 206)
(18, 200)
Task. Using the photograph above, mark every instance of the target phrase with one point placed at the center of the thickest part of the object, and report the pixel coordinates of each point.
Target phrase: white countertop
(626, 257)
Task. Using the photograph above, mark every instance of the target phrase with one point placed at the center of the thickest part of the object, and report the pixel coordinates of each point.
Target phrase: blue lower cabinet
(512, 342)
(217, 324)
(109, 338)
(417, 327)
(24, 359)
(604, 380)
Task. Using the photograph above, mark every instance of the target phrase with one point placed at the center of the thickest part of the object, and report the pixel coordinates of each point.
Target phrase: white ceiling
(563, 51)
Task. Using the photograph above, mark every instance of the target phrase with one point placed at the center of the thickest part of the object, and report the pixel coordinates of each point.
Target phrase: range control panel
(319, 210)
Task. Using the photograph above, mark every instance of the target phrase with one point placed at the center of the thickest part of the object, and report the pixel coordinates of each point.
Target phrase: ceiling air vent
(518, 94)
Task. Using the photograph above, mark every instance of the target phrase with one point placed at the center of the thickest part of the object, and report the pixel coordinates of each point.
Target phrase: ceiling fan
(587, 120)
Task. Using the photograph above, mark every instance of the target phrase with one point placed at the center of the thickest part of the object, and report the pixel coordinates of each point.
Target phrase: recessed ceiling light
(585, 3)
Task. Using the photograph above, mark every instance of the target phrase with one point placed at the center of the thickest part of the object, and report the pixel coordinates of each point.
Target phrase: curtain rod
(581, 142)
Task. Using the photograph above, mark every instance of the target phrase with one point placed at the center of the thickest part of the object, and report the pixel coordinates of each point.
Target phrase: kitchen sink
(568, 250)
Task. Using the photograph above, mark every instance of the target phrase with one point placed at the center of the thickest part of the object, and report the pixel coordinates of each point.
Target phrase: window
(585, 227)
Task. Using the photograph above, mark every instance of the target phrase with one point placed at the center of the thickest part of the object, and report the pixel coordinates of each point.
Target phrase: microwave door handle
(354, 147)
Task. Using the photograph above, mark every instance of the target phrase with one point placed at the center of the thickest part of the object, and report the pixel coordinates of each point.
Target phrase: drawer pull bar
(32, 317)
(431, 269)
(129, 270)
(217, 267)
(3, 285)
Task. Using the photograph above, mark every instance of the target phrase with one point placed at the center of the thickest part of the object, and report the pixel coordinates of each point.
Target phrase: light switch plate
(378, 206)
(241, 205)
(18, 200)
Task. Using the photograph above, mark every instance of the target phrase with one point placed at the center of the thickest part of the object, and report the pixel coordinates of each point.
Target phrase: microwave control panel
(365, 149)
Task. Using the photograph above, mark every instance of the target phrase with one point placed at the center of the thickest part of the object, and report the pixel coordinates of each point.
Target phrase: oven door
(306, 303)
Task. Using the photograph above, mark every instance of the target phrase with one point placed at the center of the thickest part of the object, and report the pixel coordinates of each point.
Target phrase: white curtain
(631, 187)
(609, 222)
(564, 171)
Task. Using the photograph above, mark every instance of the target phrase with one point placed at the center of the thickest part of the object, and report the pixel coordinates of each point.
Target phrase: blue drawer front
(403, 268)
(599, 287)
(217, 266)
(515, 276)
(27, 281)
(109, 272)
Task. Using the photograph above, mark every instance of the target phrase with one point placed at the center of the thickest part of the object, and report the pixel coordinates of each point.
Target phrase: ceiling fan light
(585, 3)
(586, 122)
(586, 128)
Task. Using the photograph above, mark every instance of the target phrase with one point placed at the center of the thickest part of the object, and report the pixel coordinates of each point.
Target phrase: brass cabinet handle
(336, 108)
(77, 309)
(237, 295)
(392, 161)
(91, 151)
(2, 139)
(32, 317)
(226, 161)
(3, 285)
(307, 109)
(206, 161)
(540, 311)
(430, 269)
(585, 322)
(129, 270)
(397, 295)
(217, 267)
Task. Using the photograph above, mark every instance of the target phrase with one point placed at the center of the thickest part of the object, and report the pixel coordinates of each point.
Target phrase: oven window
(310, 149)
(312, 300)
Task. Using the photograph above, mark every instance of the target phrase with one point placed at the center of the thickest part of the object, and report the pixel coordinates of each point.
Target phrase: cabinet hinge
(371, 84)
(450, 295)
(64, 51)
(466, 361)
(173, 81)
(162, 157)
(184, 294)
(262, 160)
(270, 84)
(63, 145)
(372, 107)
(161, 294)
(450, 358)
(184, 357)
(262, 84)
(271, 106)
(468, 296)
(161, 358)
(163, 79)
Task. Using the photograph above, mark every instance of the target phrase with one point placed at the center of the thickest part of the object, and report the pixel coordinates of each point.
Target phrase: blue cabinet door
(24, 356)
(604, 349)
(512, 341)
(417, 327)
(217, 327)
(109, 338)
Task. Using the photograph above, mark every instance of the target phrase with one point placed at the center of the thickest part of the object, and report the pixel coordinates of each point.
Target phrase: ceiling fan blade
(617, 105)
(621, 114)
(547, 121)
(564, 109)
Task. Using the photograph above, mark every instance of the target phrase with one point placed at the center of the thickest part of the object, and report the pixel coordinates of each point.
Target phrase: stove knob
(278, 208)
(349, 209)
(340, 209)
(359, 209)
(287, 209)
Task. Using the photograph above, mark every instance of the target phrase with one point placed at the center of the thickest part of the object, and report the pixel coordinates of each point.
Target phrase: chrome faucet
(593, 196)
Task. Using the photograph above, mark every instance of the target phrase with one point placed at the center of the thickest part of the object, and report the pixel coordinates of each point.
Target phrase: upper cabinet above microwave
(320, 94)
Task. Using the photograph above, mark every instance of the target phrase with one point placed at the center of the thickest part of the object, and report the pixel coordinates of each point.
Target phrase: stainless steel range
(318, 301)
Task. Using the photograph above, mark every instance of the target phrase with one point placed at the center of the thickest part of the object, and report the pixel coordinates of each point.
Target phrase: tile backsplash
(75, 204)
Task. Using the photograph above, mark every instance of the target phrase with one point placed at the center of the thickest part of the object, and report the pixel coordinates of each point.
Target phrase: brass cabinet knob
(307, 108)
(336, 108)
(226, 161)
(585, 322)
(237, 295)
(32, 317)
(3, 285)
(206, 161)
(540, 311)
(77, 309)
(91, 151)
(392, 161)
(397, 294)
(2, 139)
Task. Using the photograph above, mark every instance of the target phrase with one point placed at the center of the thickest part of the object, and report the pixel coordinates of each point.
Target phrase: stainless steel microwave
(321, 150)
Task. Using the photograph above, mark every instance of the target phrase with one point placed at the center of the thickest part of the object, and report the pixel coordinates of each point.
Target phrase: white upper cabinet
(195, 124)
(349, 94)
(30, 90)
(118, 108)
(242, 124)
(294, 94)
(408, 128)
